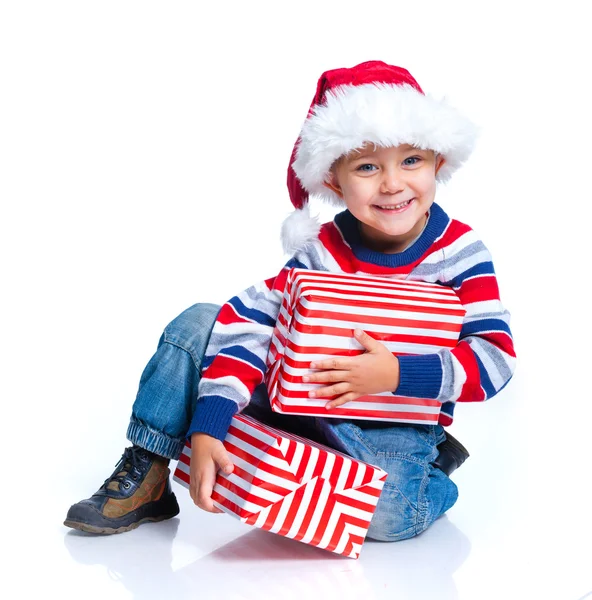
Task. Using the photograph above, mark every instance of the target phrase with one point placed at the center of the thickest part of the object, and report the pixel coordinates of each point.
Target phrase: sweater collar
(350, 229)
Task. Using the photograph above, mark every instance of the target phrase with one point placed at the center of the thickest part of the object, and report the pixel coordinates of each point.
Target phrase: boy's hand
(373, 372)
(207, 456)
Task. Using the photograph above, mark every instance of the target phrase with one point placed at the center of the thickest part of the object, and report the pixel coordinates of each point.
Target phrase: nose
(392, 181)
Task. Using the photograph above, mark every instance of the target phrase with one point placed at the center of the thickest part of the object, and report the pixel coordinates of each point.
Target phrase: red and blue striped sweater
(447, 252)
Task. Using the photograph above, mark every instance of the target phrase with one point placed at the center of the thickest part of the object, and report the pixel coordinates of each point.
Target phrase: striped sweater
(447, 252)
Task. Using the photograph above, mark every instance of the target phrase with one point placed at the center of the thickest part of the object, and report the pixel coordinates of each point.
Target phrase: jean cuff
(154, 441)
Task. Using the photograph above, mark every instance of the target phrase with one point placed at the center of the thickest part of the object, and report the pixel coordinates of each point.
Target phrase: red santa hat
(370, 103)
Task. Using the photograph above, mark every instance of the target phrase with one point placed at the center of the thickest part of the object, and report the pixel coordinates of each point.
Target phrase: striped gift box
(317, 317)
(294, 487)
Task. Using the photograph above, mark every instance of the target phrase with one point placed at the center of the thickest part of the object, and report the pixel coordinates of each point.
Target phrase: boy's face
(388, 190)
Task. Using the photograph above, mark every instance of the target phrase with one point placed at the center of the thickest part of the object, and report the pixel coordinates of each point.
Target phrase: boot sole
(110, 530)
(159, 510)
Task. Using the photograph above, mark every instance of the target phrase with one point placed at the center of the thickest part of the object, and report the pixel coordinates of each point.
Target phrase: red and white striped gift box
(294, 487)
(317, 317)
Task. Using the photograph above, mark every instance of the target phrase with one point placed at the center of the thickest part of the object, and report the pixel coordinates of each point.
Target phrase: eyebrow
(355, 157)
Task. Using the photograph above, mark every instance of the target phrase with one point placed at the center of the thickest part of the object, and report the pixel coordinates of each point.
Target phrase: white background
(143, 157)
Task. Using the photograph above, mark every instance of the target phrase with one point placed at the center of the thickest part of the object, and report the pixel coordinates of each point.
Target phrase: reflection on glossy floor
(250, 563)
(514, 532)
(519, 530)
(494, 543)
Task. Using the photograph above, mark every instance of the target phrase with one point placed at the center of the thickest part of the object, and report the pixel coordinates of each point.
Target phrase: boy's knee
(394, 518)
(191, 329)
(443, 496)
(397, 518)
(195, 316)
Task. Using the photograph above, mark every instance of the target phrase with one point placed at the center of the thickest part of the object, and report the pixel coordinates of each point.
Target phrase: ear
(332, 184)
(441, 160)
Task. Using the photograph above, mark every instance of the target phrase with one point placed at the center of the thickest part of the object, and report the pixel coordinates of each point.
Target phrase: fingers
(331, 363)
(222, 459)
(342, 400)
(366, 340)
(332, 390)
(326, 376)
(201, 487)
(207, 456)
(203, 497)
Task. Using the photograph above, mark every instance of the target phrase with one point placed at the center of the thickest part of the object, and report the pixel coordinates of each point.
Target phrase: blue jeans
(415, 493)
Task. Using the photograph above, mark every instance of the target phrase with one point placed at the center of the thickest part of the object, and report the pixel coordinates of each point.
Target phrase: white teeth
(395, 206)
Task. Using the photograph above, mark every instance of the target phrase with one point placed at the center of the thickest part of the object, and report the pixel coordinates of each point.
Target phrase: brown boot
(138, 491)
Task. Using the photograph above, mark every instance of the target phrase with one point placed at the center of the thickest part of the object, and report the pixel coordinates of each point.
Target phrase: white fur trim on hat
(383, 114)
(299, 229)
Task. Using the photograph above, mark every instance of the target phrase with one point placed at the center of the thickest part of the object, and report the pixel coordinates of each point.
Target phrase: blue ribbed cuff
(420, 376)
(212, 416)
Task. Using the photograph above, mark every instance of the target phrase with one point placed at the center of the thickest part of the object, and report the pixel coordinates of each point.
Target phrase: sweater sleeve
(483, 361)
(234, 363)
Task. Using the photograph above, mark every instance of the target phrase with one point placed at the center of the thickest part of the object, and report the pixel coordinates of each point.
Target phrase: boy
(376, 145)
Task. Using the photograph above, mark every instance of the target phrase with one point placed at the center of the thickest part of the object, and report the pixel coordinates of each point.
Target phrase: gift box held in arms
(318, 314)
(294, 487)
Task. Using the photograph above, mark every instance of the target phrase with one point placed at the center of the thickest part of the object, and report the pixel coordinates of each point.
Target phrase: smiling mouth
(394, 207)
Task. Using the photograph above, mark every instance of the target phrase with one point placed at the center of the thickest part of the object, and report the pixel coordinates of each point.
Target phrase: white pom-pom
(298, 230)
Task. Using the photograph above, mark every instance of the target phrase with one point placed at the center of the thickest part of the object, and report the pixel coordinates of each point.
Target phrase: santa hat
(370, 103)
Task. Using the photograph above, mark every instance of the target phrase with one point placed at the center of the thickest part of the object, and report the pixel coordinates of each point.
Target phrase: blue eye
(414, 158)
(360, 168)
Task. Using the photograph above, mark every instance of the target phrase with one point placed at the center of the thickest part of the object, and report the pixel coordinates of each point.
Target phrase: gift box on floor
(318, 314)
(294, 487)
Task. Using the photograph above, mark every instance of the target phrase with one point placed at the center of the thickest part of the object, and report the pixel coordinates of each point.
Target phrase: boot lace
(129, 466)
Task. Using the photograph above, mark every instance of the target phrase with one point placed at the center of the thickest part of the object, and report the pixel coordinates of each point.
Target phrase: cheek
(355, 193)
(426, 186)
